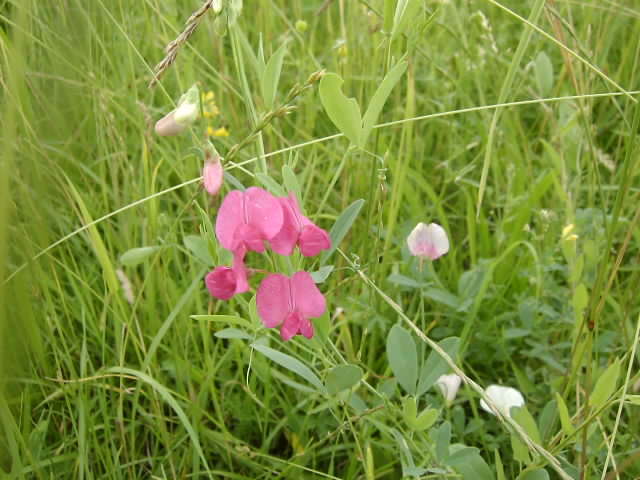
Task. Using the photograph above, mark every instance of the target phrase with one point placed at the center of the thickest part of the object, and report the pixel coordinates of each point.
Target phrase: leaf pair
(403, 360)
(345, 113)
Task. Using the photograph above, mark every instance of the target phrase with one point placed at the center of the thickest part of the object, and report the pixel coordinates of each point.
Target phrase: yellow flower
(217, 132)
(208, 97)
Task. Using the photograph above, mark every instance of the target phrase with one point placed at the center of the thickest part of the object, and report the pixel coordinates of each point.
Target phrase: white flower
(186, 113)
(504, 399)
(449, 385)
(428, 241)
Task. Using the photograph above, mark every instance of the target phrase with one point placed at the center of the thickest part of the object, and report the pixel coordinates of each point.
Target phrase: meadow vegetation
(514, 125)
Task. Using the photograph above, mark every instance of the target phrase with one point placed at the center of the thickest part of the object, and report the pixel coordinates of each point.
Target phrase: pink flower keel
(290, 302)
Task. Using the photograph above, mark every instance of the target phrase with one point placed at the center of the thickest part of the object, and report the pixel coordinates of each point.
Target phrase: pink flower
(224, 282)
(290, 302)
(247, 219)
(428, 241)
(212, 175)
(298, 229)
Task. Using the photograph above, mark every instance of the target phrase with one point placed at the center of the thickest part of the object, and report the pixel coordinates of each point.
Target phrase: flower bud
(187, 112)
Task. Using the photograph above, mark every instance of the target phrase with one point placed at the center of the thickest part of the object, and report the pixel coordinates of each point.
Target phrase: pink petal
(240, 271)
(305, 327)
(263, 211)
(290, 326)
(308, 300)
(273, 299)
(285, 240)
(212, 175)
(248, 237)
(230, 216)
(313, 240)
(428, 241)
(221, 283)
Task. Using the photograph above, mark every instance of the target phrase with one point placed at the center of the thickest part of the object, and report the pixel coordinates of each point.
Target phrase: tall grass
(93, 386)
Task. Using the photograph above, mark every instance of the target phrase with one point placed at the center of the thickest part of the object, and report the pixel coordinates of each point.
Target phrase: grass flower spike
(247, 219)
(504, 397)
(290, 302)
(428, 241)
(298, 230)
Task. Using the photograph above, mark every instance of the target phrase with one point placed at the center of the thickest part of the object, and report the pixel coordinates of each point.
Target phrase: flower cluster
(246, 221)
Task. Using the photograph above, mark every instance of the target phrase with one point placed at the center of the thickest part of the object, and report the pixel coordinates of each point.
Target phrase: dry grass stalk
(173, 47)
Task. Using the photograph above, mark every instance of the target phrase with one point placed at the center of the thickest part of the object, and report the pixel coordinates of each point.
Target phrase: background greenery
(94, 386)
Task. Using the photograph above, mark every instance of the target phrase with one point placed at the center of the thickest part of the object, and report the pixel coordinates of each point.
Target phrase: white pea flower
(504, 398)
(449, 385)
(187, 112)
(428, 241)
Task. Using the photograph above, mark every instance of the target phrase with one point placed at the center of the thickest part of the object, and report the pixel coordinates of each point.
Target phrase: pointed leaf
(271, 76)
(435, 366)
(380, 97)
(406, 13)
(470, 464)
(565, 419)
(403, 358)
(605, 386)
(197, 244)
(322, 273)
(342, 227)
(544, 74)
(442, 438)
(290, 181)
(233, 333)
(270, 184)
(344, 112)
(290, 363)
(342, 378)
(136, 256)
(540, 474)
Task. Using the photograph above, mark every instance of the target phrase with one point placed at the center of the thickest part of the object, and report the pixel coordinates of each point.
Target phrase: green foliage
(403, 358)
(96, 210)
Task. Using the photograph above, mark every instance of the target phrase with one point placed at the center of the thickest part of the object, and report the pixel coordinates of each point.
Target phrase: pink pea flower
(212, 175)
(290, 302)
(298, 229)
(247, 219)
(224, 282)
(428, 241)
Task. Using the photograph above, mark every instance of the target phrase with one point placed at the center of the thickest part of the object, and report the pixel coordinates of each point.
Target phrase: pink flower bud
(213, 174)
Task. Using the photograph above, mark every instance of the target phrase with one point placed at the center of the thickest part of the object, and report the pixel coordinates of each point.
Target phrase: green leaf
(409, 410)
(322, 273)
(198, 245)
(406, 14)
(344, 112)
(544, 74)
(292, 364)
(605, 386)
(540, 474)
(522, 416)
(435, 366)
(580, 299)
(290, 181)
(271, 76)
(442, 296)
(426, 419)
(342, 378)
(403, 358)
(171, 401)
(380, 97)
(233, 333)
(270, 184)
(470, 464)
(442, 438)
(565, 419)
(342, 226)
(499, 466)
(136, 256)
